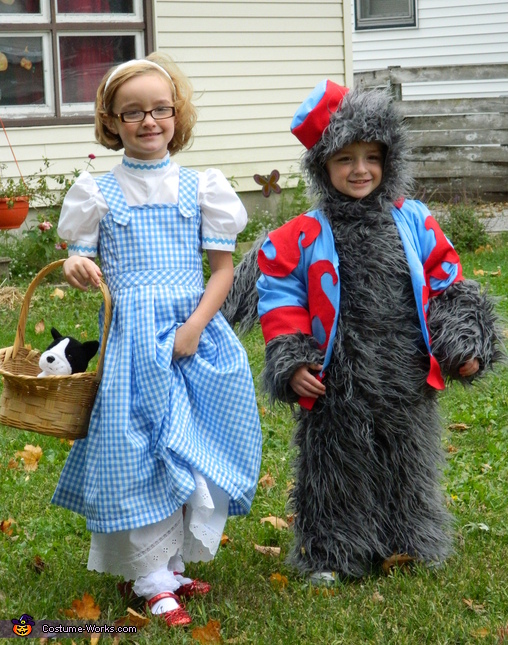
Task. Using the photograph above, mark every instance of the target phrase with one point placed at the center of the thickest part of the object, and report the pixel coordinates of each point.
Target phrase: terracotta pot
(15, 216)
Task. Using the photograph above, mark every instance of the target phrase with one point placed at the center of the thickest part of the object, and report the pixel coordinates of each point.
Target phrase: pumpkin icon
(23, 626)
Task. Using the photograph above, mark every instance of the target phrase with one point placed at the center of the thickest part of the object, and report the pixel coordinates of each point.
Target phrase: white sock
(164, 605)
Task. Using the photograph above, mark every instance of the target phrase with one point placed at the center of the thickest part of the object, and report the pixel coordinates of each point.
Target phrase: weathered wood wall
(459, 146)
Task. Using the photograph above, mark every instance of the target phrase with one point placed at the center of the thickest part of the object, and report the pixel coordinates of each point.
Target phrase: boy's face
(357, 169)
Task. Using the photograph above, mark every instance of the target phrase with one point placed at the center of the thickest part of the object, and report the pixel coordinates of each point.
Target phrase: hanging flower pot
(13, 211)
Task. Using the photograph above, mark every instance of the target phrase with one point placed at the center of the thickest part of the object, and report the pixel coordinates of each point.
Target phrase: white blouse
(151, 182)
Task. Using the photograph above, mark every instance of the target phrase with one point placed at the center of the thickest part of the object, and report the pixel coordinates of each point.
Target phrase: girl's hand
(470, 367)
(306, 384)
(186, 340)
(80, 272)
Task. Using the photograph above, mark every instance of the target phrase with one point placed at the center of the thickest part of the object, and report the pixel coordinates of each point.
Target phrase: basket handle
(19, 341)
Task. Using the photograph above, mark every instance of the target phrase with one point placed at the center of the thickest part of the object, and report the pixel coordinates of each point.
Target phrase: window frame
(367, 24)
(49, 25)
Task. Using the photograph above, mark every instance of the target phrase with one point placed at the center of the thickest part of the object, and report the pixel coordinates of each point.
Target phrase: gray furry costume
(368, 464)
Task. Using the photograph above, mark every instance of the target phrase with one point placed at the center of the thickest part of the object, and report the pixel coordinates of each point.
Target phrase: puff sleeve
(82, 210)
(223, 214)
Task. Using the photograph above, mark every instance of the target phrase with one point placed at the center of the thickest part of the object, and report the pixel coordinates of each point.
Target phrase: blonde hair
(186, 114)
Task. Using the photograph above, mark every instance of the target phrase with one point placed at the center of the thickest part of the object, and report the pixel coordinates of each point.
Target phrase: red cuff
(285, 320)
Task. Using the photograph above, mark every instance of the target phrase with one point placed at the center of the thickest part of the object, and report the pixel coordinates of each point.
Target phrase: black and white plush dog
(66, 355)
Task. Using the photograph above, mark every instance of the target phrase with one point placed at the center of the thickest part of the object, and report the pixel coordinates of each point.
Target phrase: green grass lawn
(257, 598)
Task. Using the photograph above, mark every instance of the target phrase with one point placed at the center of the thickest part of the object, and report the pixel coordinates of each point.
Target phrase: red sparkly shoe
(176, 617)
(194, 588)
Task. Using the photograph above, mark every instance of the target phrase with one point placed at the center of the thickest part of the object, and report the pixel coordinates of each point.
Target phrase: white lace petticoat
(196, 534)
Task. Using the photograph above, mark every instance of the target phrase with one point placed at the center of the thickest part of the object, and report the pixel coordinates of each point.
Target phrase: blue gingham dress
(155, 419)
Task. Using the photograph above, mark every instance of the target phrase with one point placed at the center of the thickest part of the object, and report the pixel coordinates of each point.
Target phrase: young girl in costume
(174, 441)
(364, 311)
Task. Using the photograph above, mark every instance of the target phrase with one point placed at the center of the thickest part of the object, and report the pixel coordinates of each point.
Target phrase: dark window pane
(20, 6)
(95, 6)
(85, 59)
(21, 75)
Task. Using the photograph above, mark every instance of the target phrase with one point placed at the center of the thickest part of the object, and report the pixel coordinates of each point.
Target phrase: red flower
(45, 226)
(91, 156)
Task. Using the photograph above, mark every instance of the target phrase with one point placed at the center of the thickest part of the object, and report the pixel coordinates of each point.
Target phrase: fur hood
(363, 116)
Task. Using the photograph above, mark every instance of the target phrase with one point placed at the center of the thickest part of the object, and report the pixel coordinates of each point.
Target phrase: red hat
(313, 116)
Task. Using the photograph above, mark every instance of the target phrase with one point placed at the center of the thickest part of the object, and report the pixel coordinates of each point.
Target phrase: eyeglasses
(136, 116)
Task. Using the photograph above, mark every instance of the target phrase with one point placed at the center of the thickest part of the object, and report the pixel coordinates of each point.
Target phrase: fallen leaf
(472, 606)
(496, 273)
(482, 248)
(451, 448)
(478, 271)
(12, 464)
(502, 633)
(30, 456)
(399, 560)
(224, 540)
(268, 550)
(458, 427)
(132, 618)
(377, 597)
(84, 608)
(325, 591)
(276, 522)
(40, 327)
(267, 481)
(6, 526)
(486, 468)
(483, 632)
(210, 633)
(57, 293)
(278, 581)
(38, 564)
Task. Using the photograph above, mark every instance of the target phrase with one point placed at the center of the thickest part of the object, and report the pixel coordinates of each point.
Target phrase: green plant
(464, 227)
(39, 244)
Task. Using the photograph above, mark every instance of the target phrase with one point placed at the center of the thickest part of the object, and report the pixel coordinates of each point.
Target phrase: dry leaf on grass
(84, 608)
(224, 540)
(452, 448)
(397, 560)
(210, 633)
(458, 427)
(6, 526)
(30, 456)
(267, 481)
(483, 632)
(377, 597)
(40, 327)
(478, 271)
(268, 550)
(132, 618)
(57, 293)
(276, 522)
(278, 581)
(473, 606)
(38, 564)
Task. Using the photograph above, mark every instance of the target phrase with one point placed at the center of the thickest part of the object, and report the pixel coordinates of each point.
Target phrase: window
(54, 53)
(384, 14)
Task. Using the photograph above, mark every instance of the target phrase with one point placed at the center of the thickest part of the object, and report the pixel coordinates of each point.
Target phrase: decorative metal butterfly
(269, 184)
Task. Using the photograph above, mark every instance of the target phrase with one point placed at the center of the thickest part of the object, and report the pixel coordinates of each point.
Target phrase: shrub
(464, 227)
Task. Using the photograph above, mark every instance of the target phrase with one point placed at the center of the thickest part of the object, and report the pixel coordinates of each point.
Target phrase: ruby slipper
(194, 588)
(176, 617)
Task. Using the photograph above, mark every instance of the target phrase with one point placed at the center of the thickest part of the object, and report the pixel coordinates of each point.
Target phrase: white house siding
(455, 32)
(251, 64)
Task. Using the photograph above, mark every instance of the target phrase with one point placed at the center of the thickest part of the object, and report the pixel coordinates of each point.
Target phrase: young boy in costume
(365, 313)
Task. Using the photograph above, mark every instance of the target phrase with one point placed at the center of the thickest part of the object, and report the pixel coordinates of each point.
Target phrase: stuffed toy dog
(66, 355)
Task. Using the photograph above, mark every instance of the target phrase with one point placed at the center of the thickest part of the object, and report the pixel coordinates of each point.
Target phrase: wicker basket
(53, 405)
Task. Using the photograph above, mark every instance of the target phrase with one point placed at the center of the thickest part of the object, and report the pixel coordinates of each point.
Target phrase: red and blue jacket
(299, 289)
